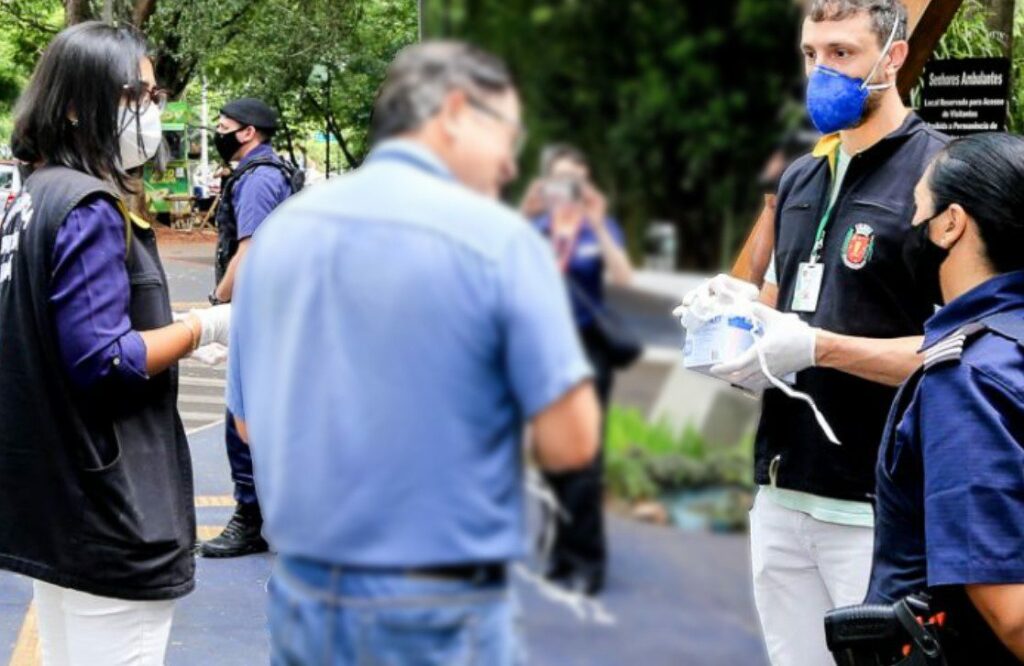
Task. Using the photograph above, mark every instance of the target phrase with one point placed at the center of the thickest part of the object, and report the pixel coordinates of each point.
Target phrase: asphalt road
(672, 598)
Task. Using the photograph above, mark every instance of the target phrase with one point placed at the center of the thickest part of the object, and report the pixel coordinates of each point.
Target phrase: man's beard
(871, 105)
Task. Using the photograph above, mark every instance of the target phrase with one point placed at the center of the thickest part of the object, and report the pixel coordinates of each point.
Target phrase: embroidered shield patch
(858, 246)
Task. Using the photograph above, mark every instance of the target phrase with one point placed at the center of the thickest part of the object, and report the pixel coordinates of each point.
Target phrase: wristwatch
(214, 300)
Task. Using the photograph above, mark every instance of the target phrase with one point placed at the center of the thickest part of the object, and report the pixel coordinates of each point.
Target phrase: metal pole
(419, 10)
(204, 143)
(108, 12)
(327, 127)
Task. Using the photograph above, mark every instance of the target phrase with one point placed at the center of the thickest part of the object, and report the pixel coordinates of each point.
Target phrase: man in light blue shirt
(394, 330)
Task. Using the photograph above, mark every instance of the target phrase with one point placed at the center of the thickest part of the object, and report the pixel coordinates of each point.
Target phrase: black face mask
(923, 259)
(227, 144)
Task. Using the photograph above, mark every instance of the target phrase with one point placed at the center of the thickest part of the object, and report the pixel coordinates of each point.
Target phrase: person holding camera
(568, 209)
(950, 473)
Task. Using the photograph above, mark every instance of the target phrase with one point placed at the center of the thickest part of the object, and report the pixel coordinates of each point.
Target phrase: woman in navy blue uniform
(950, 502)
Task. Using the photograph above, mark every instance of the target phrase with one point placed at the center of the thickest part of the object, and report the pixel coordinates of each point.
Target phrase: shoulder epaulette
(951, 349)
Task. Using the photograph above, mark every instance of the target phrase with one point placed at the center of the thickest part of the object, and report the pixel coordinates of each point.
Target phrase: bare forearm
(1001, 606)
(226, 287)
(242, 428)
(566, 435)
(885, 361)
(168, 345)
(227, 283)
(620, 268)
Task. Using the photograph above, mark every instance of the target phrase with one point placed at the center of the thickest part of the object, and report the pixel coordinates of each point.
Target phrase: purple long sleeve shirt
(90, 294)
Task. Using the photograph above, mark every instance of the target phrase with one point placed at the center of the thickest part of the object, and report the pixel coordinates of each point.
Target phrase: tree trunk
(935, 17)
(77, 11)
(143, 10)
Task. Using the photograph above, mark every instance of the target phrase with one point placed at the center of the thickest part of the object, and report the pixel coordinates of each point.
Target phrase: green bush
(644, 460)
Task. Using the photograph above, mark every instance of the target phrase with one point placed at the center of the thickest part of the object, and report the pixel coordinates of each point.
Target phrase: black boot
(241, 536)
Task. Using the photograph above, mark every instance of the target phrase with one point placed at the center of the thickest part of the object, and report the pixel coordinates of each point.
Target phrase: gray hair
(422, 74)
(884, 15)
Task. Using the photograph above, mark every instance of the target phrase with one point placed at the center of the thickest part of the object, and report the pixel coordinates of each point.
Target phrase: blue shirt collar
(413, 153)
(998, 294)
(262, 150)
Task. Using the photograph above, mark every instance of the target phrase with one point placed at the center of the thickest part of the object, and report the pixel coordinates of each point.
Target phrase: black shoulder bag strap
(622, 345)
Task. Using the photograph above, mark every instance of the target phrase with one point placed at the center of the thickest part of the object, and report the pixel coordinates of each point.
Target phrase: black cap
(251, 111)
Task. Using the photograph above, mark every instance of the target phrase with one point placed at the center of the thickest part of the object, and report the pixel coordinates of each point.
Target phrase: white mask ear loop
(885, 52)
(797, 395)
(586, 609)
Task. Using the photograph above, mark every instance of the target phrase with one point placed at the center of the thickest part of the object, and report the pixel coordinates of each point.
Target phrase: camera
(562, 191)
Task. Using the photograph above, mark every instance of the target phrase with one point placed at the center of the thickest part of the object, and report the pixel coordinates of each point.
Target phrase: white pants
(79, 629)
(802, 568)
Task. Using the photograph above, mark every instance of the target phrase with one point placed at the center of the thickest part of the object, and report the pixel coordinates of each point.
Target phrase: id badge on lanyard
(808, 287)
(811, 273)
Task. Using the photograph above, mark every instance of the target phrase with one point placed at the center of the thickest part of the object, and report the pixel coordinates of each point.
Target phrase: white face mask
(139, 140)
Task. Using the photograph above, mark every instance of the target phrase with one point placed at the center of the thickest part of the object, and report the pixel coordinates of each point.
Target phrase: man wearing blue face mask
(841, 311)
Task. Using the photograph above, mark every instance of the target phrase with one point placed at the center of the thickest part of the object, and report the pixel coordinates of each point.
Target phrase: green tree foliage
(320, 63)
(263, 48)
(25, 27)
(676, 103)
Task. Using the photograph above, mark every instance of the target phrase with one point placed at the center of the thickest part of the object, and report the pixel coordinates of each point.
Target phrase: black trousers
(240, 460)
(580, 542)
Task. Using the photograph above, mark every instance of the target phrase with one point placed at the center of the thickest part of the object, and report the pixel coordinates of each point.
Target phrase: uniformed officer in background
(259, 183)
(848, 322)
(951, 470)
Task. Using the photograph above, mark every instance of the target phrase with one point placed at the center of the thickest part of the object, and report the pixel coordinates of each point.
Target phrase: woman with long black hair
(96, 500)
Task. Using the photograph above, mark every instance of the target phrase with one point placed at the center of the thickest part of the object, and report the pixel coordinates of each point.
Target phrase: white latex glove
(216, 322)
(712, 297)
(787, 343)
(212, 354)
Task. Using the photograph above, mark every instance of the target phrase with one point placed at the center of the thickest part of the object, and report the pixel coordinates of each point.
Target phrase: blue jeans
(320, 615)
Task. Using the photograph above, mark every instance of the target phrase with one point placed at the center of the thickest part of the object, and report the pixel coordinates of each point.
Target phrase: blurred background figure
(569, 210)
(756, 256)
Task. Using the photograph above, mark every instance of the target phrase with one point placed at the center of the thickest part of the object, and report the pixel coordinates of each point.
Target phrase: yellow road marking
(182, 306)
(207, 532)
(215, 500)
(26, 649)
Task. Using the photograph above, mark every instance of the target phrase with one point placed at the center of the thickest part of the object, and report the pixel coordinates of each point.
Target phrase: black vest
(95, 487)
(227, 216)
(867, 291)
